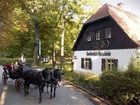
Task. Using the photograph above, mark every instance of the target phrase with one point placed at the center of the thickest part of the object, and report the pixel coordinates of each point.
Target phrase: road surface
(65, 95)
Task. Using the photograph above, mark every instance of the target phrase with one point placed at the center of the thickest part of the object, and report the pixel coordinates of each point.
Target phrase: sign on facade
(98, 53)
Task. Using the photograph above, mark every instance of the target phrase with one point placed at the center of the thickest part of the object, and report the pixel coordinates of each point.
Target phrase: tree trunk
(36, 45)
(53, 56)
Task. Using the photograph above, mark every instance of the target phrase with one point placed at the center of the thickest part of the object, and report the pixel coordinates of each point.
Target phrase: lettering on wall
(98, 53)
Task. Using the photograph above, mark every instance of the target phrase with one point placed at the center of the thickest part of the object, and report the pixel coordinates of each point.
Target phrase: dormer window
(98, 35)
(108, 33)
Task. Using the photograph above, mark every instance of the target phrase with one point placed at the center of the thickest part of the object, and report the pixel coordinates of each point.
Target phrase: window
(86, 63)
(98, 35)
(108, 32)
(88, 38)
(109, 64)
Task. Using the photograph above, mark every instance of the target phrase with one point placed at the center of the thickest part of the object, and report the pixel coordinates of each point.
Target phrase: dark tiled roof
(129, 22)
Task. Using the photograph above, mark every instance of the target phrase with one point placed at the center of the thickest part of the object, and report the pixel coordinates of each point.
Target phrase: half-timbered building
(107, 40)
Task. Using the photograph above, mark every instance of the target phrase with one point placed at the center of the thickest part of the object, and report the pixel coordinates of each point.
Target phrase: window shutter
(82, 62)
(115, 62)
(103, 64)
(90, 63)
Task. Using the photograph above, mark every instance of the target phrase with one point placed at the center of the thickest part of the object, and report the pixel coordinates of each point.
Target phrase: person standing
(22, 58)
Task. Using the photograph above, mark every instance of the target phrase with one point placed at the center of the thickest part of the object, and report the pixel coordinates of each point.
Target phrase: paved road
(65, 95)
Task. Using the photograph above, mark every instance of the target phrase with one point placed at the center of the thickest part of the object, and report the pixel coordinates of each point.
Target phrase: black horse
(37, 78)
(55, 77)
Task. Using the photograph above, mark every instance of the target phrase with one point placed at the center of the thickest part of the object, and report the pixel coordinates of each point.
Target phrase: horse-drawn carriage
(13, 74)
(45, 77)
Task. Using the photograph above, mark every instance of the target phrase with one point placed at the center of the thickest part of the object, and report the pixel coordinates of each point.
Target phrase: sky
(129, 5)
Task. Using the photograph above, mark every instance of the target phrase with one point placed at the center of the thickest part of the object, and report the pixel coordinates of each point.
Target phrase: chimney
(120, 5)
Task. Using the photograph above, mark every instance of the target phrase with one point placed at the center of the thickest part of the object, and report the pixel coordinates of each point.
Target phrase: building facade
(107, 40)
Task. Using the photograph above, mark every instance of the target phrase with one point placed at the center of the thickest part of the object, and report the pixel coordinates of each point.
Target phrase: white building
(107, 40)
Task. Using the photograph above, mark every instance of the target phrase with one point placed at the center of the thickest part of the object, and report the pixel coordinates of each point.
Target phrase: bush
(87, 81)
(68, 67)
(120, 86)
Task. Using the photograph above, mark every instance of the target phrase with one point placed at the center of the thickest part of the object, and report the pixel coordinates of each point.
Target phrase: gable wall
(119, 38)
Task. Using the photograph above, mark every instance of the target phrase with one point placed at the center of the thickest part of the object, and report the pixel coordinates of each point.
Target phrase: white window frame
(89, 38)
(86, 63)
(98, 34)
(109, 64)
(108, 33)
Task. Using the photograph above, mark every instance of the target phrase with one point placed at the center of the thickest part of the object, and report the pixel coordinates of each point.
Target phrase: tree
(53, 18)
(6, 13)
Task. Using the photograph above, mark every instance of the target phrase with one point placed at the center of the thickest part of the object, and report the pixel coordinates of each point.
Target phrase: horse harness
(42, 77)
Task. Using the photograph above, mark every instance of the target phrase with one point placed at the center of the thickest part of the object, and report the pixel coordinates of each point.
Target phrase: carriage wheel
(4, 78)
(17, 85)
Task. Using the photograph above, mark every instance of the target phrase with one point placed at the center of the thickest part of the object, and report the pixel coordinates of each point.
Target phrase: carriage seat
(8, 67)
